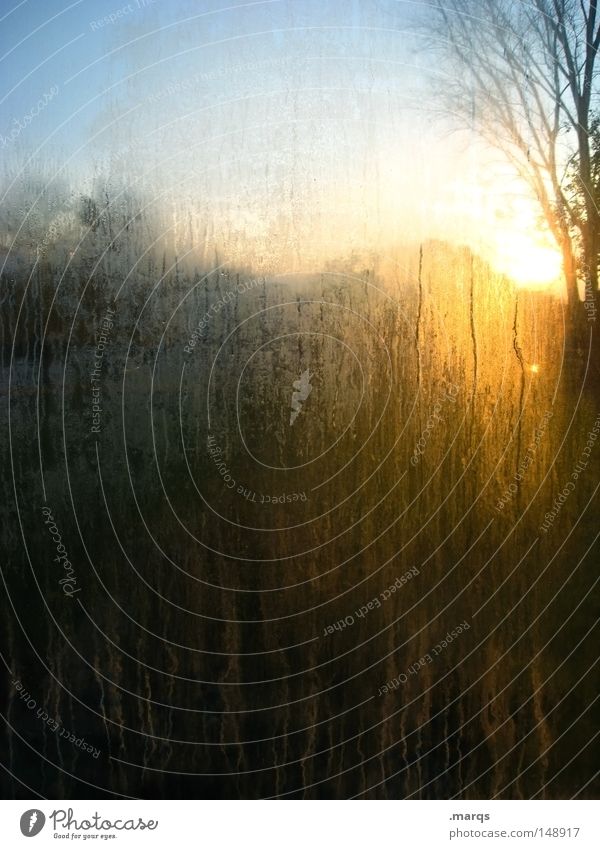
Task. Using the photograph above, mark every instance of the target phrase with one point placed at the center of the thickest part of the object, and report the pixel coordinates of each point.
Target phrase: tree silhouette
(523, 75)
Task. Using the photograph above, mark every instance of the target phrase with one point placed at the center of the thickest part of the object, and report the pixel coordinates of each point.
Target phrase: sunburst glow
(530, 262)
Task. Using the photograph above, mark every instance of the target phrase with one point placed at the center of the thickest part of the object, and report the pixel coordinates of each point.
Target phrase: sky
(310, 124)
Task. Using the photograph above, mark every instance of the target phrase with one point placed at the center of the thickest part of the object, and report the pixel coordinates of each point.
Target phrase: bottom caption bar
(352, 825)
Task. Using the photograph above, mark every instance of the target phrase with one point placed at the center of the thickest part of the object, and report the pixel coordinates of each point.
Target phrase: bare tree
(522, 73)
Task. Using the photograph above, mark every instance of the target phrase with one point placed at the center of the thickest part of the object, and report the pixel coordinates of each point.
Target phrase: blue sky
(99, 65)
(310, 91)
(289, 120)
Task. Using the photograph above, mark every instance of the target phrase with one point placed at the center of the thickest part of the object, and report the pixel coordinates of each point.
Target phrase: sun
(529, 260)
(533, 265)
(523, 246)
